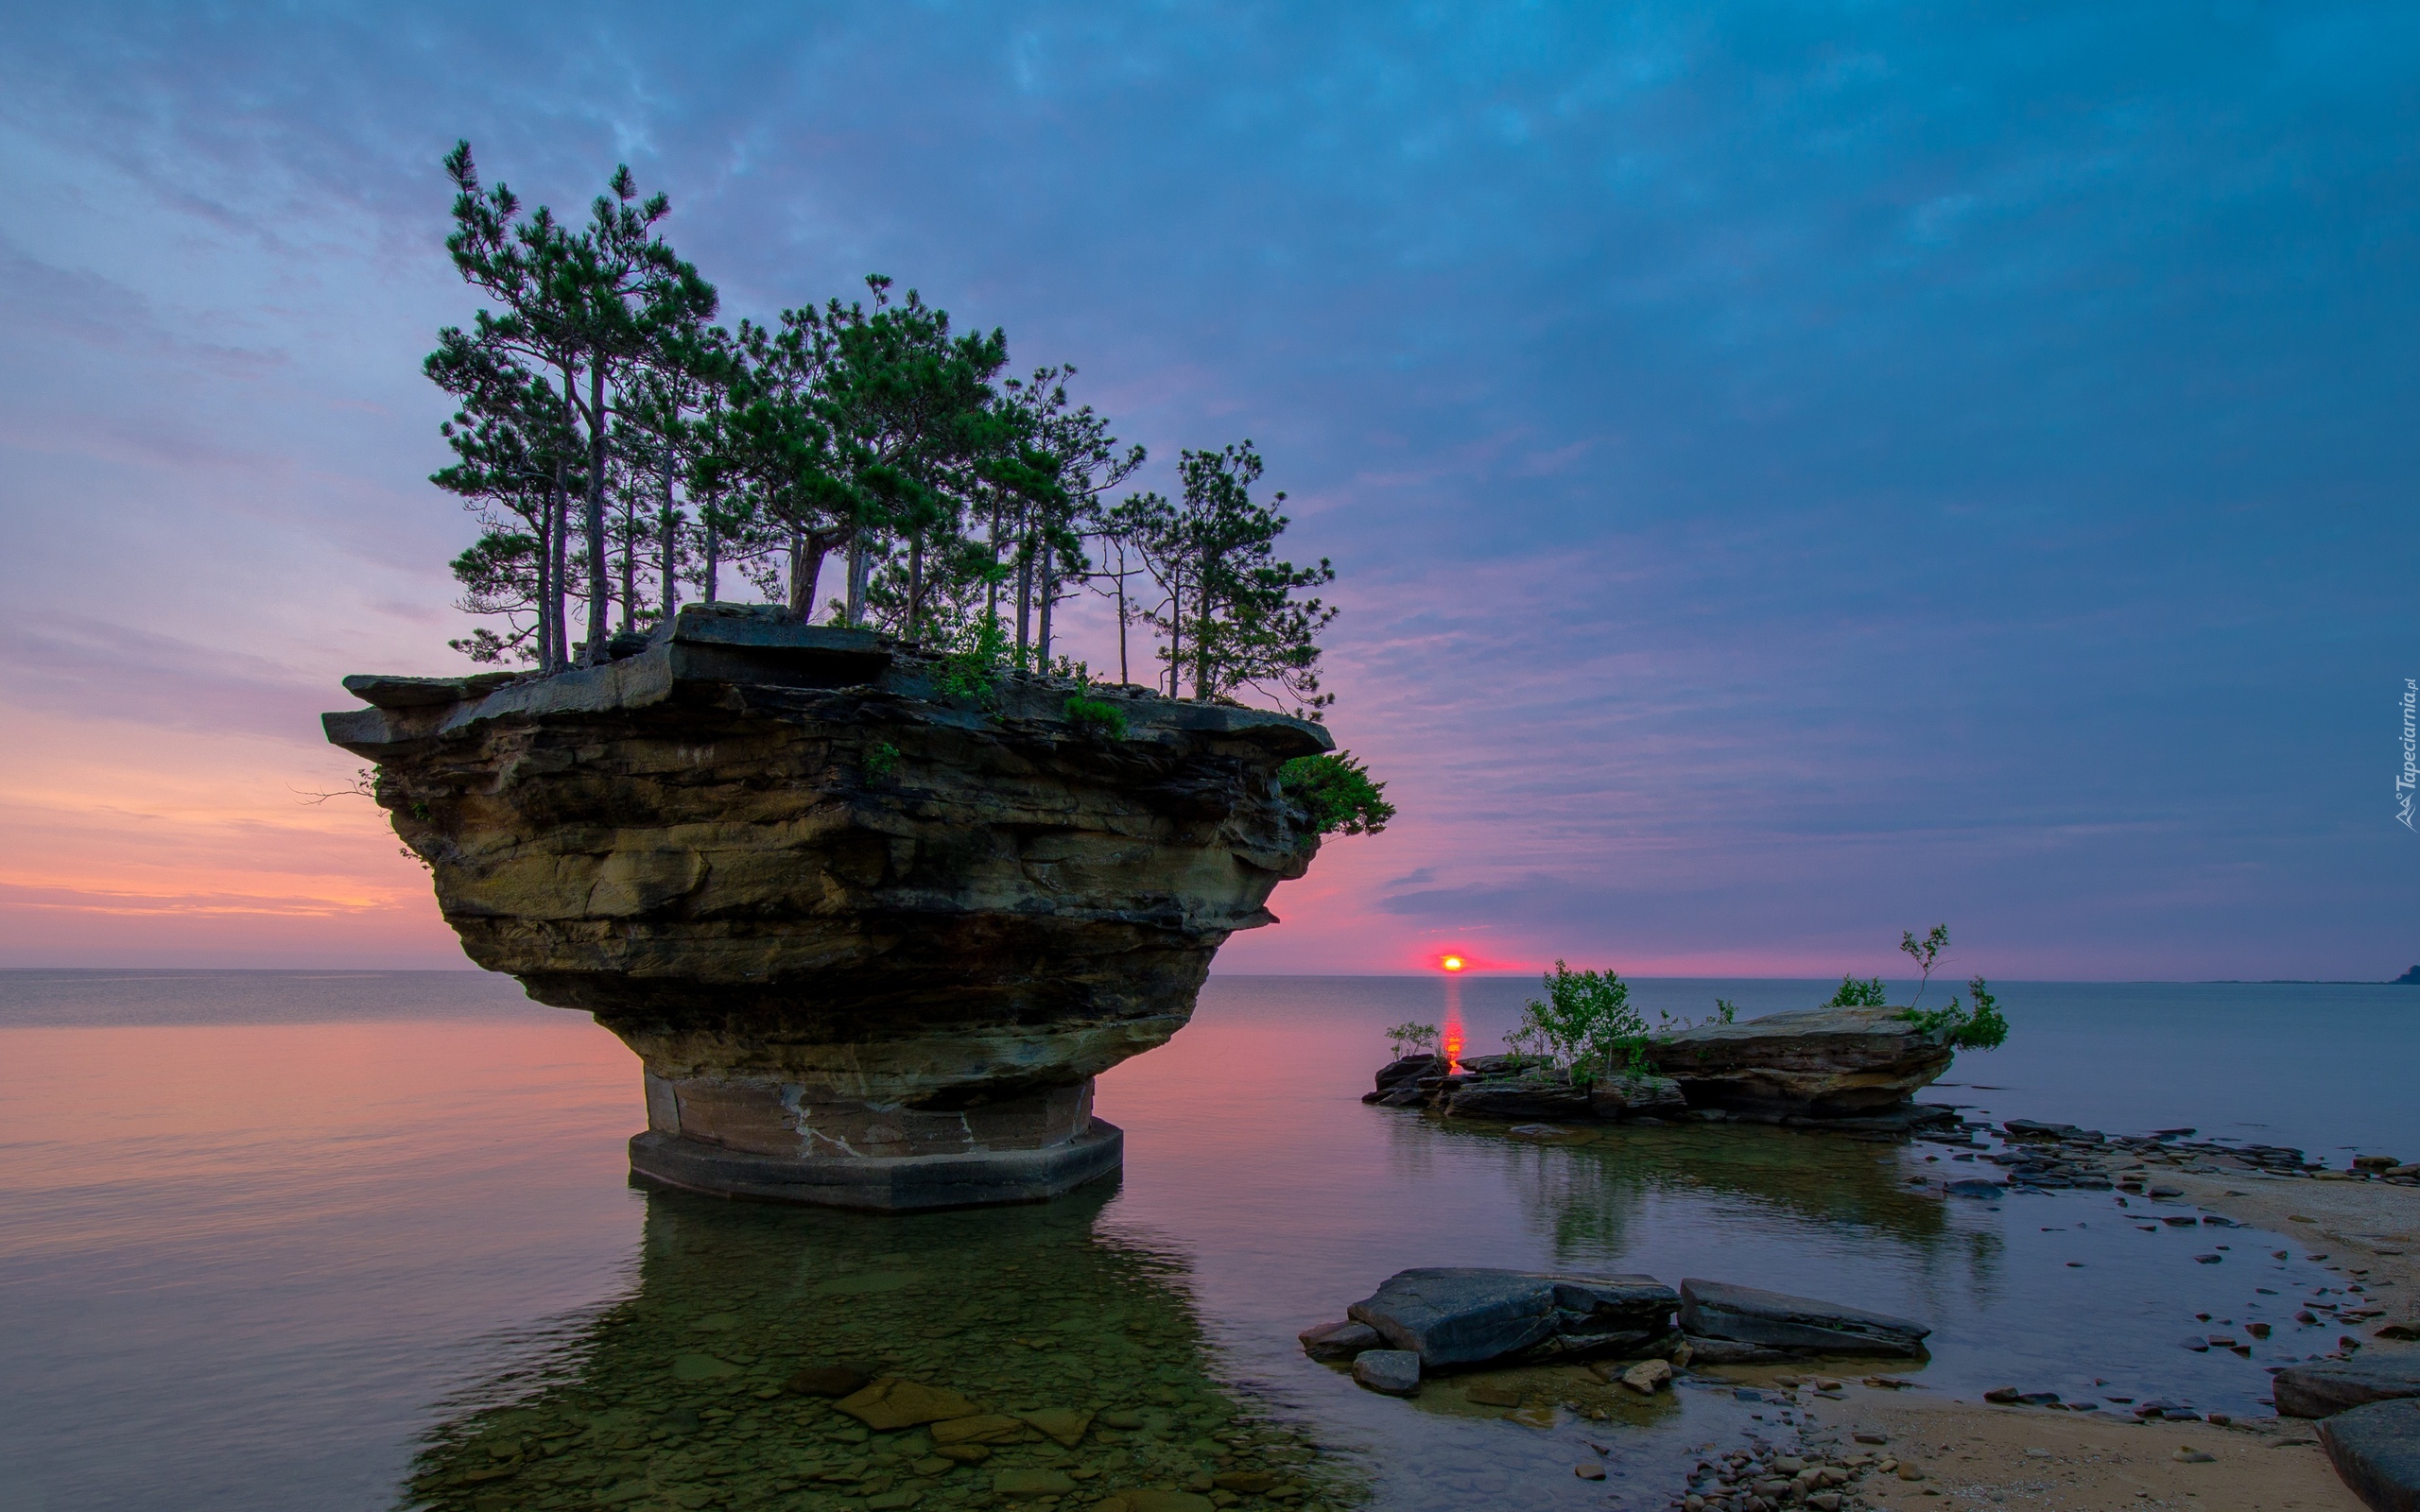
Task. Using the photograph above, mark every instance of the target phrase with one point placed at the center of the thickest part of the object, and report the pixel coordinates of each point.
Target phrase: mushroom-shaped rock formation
(870, 940)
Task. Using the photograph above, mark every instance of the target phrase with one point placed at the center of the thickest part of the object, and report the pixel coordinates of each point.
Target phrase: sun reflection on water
(1452, 1034)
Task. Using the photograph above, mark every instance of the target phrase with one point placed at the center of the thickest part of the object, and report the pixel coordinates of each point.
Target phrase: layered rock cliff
(839, 913)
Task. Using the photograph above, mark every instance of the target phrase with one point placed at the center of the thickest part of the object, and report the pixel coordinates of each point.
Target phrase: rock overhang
(806, 887)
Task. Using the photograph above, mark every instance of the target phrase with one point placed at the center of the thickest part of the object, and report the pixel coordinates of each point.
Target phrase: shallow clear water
(361, 1240)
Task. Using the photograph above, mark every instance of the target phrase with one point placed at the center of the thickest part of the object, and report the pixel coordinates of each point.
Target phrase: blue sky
(1796, 473)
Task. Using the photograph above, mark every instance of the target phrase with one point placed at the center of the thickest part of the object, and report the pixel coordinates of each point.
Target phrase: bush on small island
(1979, 1025)
(1412, 1039)
(1584, 1027)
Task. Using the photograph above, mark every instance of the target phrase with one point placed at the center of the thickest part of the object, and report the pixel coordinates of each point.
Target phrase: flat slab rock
(1823, 1062)
(2376, 1450)
(1332, 1342)
(1459, 1317)
(2326, 1387)
(1396, 1372)
(1802, 1324)
(1551, 1096)
(1731, 1351)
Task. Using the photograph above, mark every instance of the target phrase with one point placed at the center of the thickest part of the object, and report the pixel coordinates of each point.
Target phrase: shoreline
(2367, 1229)
(1965, 1453)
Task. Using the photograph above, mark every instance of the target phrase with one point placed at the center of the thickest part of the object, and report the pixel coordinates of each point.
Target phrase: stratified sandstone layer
(871, 941)
(1857, 1066)
(1819, 1062)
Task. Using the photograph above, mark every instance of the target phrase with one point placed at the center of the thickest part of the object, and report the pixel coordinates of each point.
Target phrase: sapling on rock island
(1976, 1026)
(1924, 952)
(1979, 1027)
(1585, 1025)
(1412, 1039)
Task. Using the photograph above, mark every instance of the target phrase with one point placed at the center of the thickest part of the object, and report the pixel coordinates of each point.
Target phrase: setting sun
(1452, 963)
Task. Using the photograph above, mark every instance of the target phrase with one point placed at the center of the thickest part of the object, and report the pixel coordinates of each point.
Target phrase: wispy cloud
(1792, 470)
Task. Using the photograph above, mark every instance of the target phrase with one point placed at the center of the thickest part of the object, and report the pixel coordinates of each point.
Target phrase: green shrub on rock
(1980, 1026)
(1585, 1025)
(1856, 995)
(1096, 717)
(1338, 792)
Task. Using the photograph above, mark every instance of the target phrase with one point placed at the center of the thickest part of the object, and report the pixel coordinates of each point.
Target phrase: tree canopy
(619, 449)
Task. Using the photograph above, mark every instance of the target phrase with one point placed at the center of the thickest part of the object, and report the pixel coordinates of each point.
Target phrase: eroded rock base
(914, 1183)
(792, 1120)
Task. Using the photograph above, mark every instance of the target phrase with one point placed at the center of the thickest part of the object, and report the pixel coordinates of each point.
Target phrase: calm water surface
(364, 1240)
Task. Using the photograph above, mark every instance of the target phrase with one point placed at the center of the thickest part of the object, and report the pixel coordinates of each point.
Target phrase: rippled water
(339, 1240)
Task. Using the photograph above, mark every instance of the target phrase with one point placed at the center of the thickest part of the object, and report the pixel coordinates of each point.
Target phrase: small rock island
(872, 940)
(1844, 1067)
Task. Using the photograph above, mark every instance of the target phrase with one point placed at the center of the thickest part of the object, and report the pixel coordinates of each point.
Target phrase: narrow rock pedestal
(871, 935)
(773, 1143)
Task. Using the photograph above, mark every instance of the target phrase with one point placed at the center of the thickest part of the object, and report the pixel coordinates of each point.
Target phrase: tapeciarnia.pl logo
(2405, 780)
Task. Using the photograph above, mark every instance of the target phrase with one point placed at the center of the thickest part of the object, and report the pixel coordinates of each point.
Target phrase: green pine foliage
(1339, 792)
(620, 448)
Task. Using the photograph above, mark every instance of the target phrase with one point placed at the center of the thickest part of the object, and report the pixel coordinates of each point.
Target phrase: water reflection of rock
(674, 1399)
(1589, 1191)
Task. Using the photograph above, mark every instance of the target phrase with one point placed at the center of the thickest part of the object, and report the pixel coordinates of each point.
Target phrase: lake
(365, 1240)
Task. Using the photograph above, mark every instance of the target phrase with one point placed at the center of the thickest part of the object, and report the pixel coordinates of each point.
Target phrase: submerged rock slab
(1332, 1343)
(1395, 1372)
(1773, 1320)
(1820, 1062)
(2376, 1450)
(871, 941)
(2323, 1387)
(1455, 1317)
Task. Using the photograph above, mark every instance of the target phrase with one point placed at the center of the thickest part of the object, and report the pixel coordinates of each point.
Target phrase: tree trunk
(597, 569)
(1124, 678)
(915, 581)
(546, 585)
(1042, 620)
(1202, 639)
(1025, 601)
(806, 566)
(559, 651)
(992, 584)
(630, 563)
(714, 551)
(1176, 630)
(668, 547)
(855, 609)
